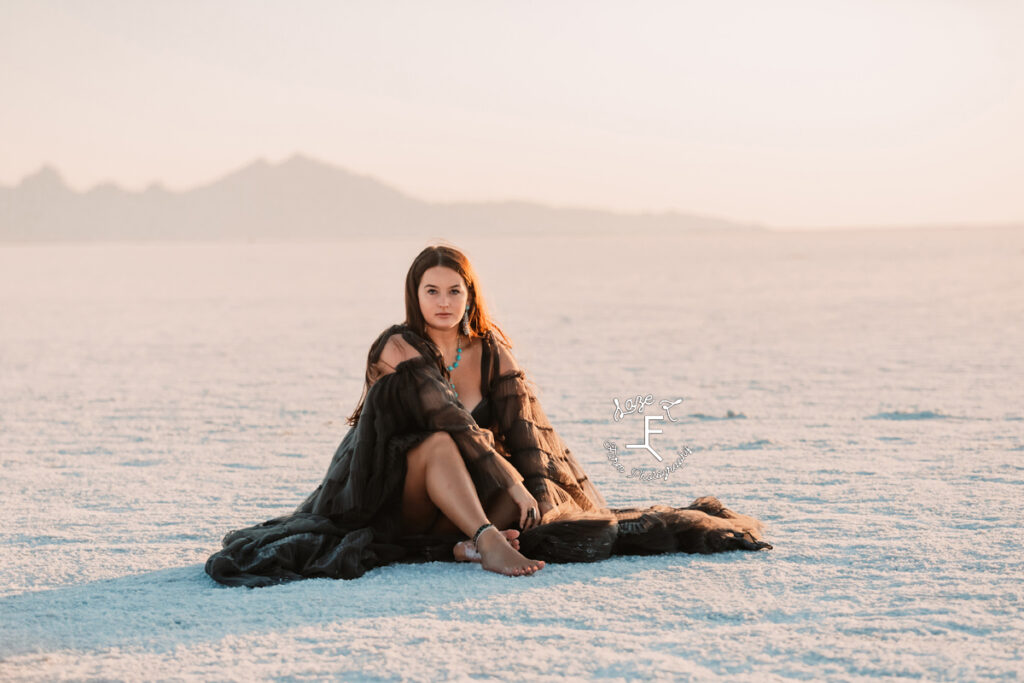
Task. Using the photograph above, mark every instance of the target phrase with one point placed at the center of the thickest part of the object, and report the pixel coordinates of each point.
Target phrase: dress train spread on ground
(351, 523)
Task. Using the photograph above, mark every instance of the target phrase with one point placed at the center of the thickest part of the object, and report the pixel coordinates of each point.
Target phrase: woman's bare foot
(465, 551)
(497, 555)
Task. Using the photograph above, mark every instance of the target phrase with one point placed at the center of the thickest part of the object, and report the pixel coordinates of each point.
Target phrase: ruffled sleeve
(551, 473)
(415, 386)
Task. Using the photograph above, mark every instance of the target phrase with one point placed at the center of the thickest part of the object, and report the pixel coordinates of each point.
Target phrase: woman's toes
(498, 555)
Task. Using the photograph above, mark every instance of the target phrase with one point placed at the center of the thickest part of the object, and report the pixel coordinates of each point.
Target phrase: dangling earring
(465, 321)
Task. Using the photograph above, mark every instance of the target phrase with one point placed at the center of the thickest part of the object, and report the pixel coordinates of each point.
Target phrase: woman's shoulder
(395, 340)
(385, 336)
(399, 343)
(493, 340)
(505, 361)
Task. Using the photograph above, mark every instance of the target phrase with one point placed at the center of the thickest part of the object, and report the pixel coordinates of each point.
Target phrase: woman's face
(443, 297)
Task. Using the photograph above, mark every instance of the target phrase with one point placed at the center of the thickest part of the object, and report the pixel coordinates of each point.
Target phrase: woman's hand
(529, 511)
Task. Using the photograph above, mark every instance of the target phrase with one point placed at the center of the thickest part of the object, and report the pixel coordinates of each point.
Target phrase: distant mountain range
(298, 199)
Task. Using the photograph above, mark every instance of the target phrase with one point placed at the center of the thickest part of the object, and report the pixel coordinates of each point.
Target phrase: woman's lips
(444, 315)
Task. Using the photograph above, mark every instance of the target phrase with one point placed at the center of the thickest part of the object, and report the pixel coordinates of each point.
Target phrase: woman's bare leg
(503, 513)
(437, 479)
(501, 510)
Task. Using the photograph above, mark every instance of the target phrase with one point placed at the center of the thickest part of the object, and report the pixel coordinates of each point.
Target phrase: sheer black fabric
(352, 521)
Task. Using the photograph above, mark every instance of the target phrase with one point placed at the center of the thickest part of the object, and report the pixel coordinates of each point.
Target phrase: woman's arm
(518, 429)
(550, 471)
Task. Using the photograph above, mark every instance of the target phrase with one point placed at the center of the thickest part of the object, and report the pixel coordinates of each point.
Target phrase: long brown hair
(480, 322)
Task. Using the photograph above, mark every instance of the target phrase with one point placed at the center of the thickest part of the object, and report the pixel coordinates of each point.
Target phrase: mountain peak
(300, 160)
(47, 177)
(297, 158)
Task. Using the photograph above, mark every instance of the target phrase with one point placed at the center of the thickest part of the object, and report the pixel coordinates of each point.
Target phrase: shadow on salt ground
(161, 610)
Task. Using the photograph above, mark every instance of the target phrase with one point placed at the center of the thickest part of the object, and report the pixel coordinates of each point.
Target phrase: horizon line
(263, 159)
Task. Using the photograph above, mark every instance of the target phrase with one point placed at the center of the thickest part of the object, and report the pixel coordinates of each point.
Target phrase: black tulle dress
(351, 523)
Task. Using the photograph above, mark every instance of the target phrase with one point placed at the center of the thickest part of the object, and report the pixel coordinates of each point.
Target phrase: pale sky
(790, 113)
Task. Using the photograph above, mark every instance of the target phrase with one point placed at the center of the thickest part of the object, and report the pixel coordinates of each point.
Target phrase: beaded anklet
(480, 531)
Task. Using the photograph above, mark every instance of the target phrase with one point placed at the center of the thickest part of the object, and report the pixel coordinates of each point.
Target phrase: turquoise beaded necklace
(458, 356)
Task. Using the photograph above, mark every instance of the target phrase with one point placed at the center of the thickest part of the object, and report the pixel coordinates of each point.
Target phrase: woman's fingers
(527, 521)
(529, 514)
(530, 518)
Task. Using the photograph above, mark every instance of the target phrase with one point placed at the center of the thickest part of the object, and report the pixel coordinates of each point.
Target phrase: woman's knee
(437, 443)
